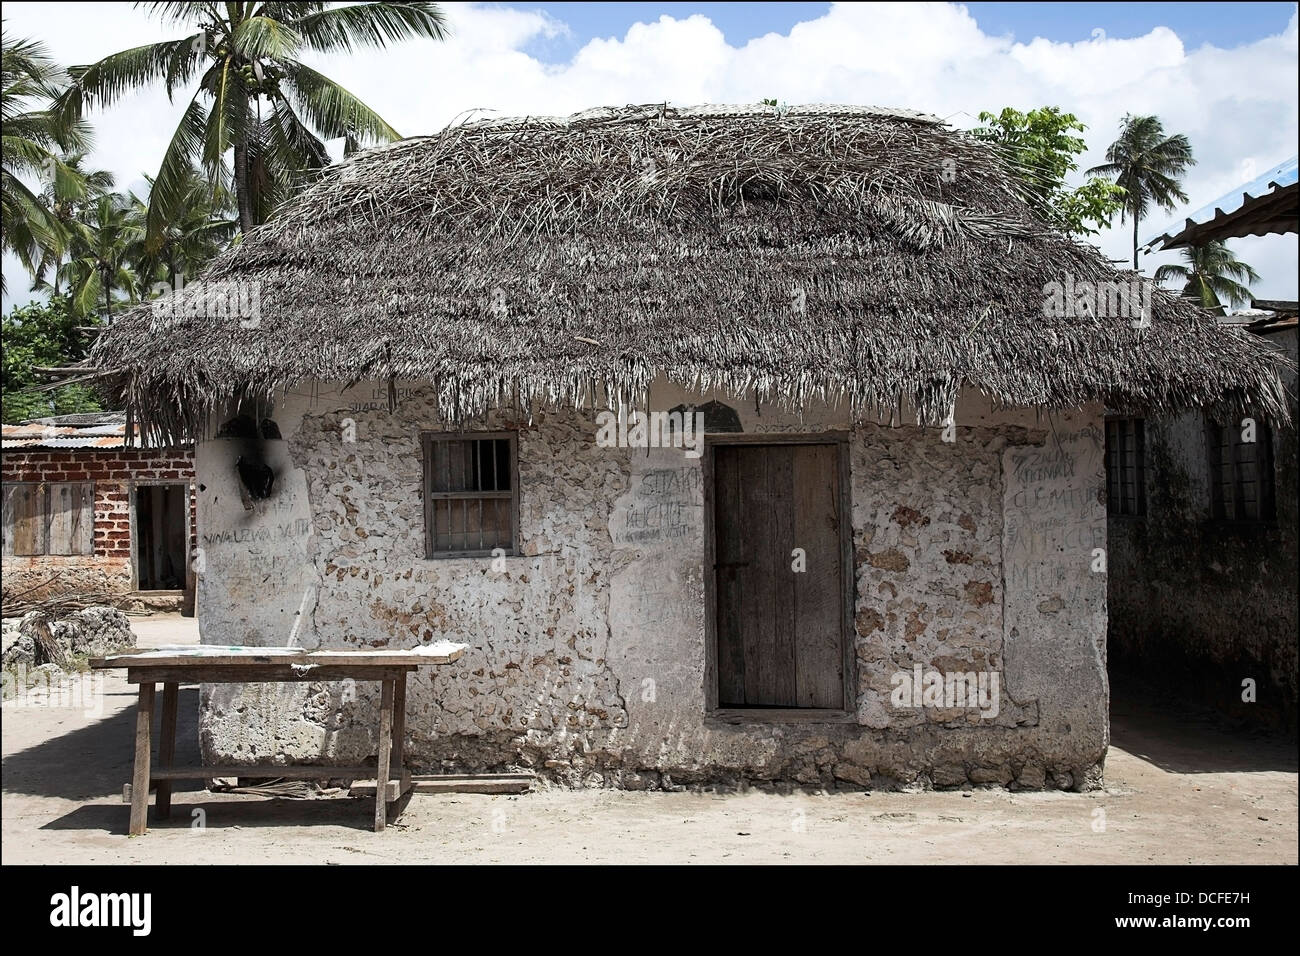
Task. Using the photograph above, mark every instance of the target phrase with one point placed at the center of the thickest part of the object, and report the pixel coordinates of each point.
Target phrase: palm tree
(204, 227)
(1149, 166)
(105, 246)
(254, 98)
(33, 139)
(1211, 275)
(63, 210)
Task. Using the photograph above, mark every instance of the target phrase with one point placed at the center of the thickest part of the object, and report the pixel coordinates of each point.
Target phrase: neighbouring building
(87, 516)
(1204, 574)
(738, 443)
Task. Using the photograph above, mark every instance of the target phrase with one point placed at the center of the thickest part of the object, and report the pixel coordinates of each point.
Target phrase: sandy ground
(1179, 790)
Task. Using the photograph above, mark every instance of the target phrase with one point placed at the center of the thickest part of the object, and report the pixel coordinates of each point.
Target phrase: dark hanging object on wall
(245, 426)
(241, 426)
(254, 473)
(717, 416)
(256, 476)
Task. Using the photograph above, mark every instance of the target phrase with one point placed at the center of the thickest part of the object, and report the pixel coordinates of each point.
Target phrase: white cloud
(1235, 105)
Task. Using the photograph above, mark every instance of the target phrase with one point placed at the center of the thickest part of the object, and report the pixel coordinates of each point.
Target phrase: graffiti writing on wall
(663, 505)
(280, 531)
(1056, 494)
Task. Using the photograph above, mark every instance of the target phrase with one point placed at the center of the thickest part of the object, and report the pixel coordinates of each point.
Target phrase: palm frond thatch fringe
(840, 253)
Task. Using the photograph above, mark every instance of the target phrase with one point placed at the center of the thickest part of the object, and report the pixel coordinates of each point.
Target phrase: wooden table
(210, 664)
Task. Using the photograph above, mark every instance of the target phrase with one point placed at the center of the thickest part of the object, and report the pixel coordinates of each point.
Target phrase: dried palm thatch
(839, 253)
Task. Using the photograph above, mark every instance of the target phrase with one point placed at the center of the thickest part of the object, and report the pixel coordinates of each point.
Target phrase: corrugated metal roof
(1252, 209)
(100, 431)
(97, 443)
(81, 419)
(1271, 324)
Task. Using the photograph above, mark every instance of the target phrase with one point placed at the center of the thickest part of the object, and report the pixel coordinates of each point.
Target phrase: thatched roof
(876, 256)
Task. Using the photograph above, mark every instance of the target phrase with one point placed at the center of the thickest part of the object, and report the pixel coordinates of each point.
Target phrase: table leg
(166, 748)
(385, 755)
(399, 739)
(140, 776)
(399, 723)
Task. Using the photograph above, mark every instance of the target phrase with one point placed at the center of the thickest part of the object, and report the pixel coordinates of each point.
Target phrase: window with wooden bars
(1126, 466)
(1241, 474)
(471, 494)
(49, 518)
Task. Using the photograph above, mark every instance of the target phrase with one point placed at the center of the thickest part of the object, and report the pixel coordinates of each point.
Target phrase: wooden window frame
(1265, 475)
(46, 490)
(1116, 499)
(427, 439)
(715, 714)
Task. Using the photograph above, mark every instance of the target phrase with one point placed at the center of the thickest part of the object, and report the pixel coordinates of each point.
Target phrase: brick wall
(109, 568)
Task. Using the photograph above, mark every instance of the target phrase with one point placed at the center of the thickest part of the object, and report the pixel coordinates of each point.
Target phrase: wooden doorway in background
(162, 536)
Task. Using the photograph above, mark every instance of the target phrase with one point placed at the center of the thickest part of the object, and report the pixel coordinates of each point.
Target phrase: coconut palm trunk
(243, 195)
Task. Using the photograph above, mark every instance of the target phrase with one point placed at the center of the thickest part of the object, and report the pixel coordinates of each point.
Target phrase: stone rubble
(89, 632)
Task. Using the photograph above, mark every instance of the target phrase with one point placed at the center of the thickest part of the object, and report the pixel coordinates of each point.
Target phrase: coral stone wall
(587, 655)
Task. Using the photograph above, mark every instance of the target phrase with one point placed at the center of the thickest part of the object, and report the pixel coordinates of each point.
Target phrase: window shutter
(24, 519)
(72, 518)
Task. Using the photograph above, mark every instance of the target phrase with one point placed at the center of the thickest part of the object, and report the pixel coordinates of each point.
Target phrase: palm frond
(183, 151)
(369, 25)
(331, 109)
(103, 83)
(259, 37)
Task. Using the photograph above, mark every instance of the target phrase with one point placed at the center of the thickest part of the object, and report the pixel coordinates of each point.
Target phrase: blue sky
(1224, 74)
(1223, 24)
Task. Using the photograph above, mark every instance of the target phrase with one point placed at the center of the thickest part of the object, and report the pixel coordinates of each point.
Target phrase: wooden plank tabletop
(205, 655)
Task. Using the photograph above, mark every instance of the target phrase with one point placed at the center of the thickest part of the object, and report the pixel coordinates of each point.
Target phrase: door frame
(768, 715)
(131, 486)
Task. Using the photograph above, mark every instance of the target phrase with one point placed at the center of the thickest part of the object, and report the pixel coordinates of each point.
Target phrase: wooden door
(779, 630)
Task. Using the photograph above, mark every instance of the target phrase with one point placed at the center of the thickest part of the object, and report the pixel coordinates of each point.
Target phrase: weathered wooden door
(779, 585)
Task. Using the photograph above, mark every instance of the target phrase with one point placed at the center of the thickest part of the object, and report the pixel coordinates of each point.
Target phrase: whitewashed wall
(587, 660)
